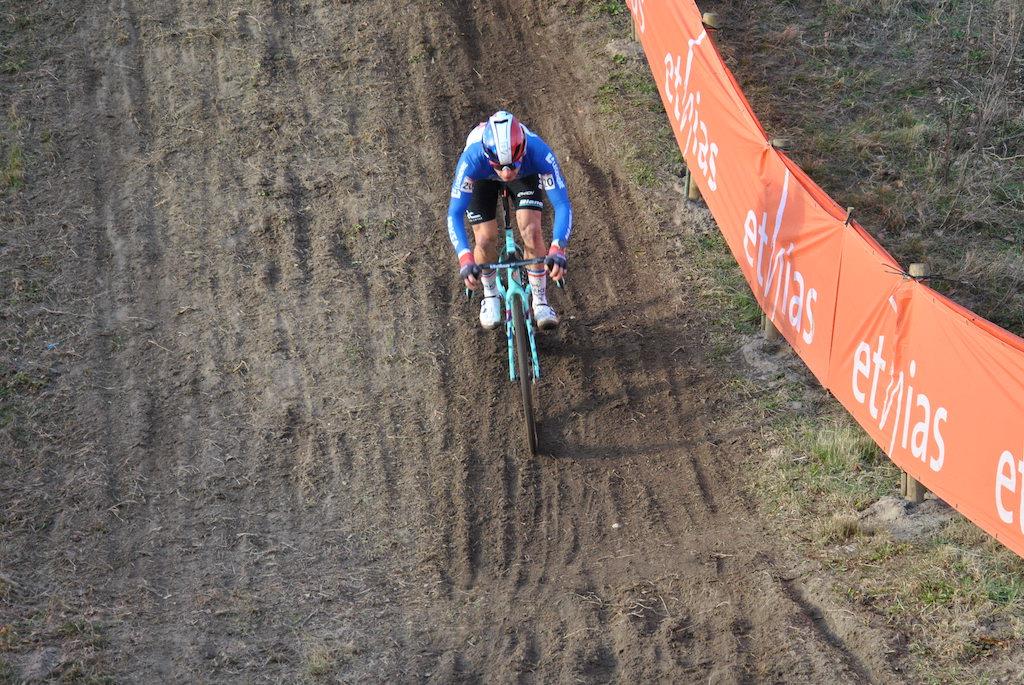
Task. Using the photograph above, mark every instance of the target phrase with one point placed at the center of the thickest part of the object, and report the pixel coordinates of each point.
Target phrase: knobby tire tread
(524, 367)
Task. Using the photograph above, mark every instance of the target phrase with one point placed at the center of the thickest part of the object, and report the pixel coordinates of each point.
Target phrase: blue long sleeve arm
(462, 193)
(563, 216)
(558, 195)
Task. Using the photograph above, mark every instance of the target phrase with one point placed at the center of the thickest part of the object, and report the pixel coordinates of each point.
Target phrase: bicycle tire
(524, 366)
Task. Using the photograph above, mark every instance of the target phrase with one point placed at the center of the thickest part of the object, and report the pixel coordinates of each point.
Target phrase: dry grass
(912, 112)
(13, 174)
(956, 594)
(321, 660)
(825, 464)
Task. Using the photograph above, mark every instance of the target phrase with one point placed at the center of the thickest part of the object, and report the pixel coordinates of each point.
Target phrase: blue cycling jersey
(473, 166)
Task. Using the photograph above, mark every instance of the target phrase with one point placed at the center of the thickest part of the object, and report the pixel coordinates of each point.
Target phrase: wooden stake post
(692, 191)
(911, 488)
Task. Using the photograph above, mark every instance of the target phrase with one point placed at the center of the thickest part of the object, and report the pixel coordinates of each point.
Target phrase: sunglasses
(498, 166)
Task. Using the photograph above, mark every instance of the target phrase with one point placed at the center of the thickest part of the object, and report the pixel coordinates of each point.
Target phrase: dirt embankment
(273, 445)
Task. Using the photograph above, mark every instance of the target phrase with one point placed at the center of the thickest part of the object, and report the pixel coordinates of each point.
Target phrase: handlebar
(513, 265)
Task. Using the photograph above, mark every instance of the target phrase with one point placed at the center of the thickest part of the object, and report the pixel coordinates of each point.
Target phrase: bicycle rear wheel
(524, 367)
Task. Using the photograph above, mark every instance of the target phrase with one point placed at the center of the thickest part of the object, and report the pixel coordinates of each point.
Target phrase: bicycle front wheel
(524, 367)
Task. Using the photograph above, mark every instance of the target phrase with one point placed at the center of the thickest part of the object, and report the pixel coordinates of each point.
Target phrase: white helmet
(504, 140)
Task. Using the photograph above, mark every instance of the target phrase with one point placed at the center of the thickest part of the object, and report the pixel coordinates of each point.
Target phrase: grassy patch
(12, 175)
(957, 594)
(910, 112)
(640, 172)
(824, 466)
(629, 82)
(611, 8)
(956, 602)
(87, 632)
(720, 283)
(81, 644)
(321, 661)
(12, 64)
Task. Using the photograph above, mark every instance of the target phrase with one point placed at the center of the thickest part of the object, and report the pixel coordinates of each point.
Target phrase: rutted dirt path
(291, 454)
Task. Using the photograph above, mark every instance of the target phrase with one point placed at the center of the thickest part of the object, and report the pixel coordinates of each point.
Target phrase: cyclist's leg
(528, 195)
(482, 215)
(528, 221)
(485, 242)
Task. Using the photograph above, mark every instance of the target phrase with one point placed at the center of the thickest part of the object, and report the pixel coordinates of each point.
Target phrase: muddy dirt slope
(272, 445)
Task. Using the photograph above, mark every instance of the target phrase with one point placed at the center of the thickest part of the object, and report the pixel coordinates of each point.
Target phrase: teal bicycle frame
(516, 295)
(514, 288)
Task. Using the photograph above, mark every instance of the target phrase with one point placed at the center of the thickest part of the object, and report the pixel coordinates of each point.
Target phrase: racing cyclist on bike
(502, 151)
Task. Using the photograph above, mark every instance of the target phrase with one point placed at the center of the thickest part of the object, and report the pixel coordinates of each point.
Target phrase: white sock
(490, 281)
(539, 285)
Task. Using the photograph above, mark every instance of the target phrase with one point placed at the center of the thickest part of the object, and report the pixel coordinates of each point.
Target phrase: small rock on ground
(904, 520)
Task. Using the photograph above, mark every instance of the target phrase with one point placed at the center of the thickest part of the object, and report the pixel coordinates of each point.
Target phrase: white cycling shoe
(545, 316)
(490, 312)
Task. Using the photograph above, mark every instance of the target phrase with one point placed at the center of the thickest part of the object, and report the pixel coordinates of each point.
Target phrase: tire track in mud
(130, 308)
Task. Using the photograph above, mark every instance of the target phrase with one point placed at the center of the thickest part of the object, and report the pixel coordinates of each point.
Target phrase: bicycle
(520, 334)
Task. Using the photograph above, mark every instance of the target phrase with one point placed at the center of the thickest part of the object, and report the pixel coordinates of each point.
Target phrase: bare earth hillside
(251, 431)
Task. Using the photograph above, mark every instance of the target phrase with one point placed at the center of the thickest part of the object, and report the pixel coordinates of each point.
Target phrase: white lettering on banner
(637, 7)
(1007, 470)
(686, 112)
(901, 403)
(781, 276)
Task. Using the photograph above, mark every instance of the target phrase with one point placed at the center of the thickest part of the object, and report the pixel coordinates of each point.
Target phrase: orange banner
(938, 388)
(941, 391)
(786, 242)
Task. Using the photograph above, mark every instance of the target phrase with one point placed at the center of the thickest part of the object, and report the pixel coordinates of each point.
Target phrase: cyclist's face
(507, 173)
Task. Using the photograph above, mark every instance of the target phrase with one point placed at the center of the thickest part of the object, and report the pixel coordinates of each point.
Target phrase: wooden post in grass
(771, 333)
(710, 20)
(910, 487)
(692, 191)
(918, 270)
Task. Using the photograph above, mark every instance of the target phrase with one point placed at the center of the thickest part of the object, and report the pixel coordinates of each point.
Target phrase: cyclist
(502, 151)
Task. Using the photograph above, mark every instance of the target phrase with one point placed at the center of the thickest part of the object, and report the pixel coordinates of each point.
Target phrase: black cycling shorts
(527, 193)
